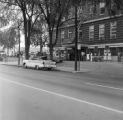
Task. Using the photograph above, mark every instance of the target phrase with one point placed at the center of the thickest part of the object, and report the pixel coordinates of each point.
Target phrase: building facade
(99, 33)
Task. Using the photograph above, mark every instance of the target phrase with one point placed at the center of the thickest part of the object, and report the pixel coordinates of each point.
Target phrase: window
(71, 13)
(101, 32)
(62, 36)
(92, 9)
(113, 29)
(102, 7)
(63, 19)
(70, 33)
(91, 32)
(80, 11)
(54, 35)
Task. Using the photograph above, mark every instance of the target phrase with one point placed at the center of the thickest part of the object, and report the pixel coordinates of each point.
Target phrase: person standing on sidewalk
(119, 56)
(82, 55)
(91, 56)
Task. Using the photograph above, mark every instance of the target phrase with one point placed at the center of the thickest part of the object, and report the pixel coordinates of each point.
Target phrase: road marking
(99, 85)
(65, 96)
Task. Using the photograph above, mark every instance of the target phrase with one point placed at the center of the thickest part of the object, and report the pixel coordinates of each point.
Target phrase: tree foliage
(113, 6)
(53, 11)
(29, 13)
(8, 38)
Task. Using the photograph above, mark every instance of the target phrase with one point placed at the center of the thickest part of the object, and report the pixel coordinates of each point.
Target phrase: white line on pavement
(99, 85)
(65, 96)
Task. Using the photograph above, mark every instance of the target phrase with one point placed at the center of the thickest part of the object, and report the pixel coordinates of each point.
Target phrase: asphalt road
(27, 94)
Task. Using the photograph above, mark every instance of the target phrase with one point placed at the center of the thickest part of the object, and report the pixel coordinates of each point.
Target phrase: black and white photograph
(61, 59)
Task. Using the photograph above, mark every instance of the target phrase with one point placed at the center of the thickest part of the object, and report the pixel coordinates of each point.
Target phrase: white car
(39, 63)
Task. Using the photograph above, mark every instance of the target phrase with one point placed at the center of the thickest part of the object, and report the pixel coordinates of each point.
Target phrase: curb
(57, 68)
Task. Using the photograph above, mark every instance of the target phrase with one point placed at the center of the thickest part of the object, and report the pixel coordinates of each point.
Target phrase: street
(27, 94)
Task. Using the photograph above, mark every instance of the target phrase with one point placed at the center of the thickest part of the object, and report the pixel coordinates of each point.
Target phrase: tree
(3, 15)
(53, 11)
(113, 6)
(29, 14)
(37, 31)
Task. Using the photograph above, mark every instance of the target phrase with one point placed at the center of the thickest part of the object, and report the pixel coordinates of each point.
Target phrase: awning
(68, 45)
(73, 45)
(59, 48)
(103, 45)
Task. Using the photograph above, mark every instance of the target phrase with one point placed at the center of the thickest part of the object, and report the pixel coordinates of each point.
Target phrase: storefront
(81, 51)
(108, 51)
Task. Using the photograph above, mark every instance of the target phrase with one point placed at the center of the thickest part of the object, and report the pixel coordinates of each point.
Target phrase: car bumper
(50, 66)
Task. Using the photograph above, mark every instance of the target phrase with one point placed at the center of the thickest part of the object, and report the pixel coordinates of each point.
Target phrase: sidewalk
(111, 69)
(66, 66)
(14, 63)
(114, 68)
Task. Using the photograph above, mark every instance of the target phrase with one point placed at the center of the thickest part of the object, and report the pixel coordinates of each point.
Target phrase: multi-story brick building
(100, 33)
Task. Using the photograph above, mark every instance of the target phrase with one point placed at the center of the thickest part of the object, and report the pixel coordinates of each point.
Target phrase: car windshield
(44, 57)
(39, 58)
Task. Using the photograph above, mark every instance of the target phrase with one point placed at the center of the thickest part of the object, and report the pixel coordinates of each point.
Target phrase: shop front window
(113, 51)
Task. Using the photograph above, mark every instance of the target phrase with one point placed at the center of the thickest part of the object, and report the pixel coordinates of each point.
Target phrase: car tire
(24, 65)
(37, 67)
(49, 68)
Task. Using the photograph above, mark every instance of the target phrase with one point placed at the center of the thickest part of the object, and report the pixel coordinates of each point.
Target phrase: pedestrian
(119, 56)
(87, 57)
(109, 56)
(82, 55)
(91, 56)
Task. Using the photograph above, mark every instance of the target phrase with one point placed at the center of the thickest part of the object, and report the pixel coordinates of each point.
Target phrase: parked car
(39, 63)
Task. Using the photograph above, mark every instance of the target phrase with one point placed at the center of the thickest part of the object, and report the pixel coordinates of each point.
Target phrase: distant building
(98, 33)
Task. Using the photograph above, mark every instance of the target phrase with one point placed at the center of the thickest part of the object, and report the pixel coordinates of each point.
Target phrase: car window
(44, 58)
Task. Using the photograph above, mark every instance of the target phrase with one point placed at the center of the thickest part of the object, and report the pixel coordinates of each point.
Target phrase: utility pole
(19, 45)
(76, 37)
(40, 38)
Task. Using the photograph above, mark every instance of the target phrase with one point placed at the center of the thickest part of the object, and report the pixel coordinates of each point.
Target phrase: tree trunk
(27, 38)
(27, 47)
(27, 32)
(50, 44)
(8, 51)
(56, 39)
(40, 45)
(26, 41)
